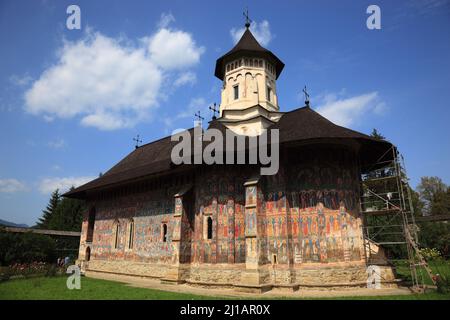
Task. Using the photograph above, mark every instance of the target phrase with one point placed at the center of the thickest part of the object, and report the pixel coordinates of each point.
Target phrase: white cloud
(261, 31)
(11, 186)
(173, 49)
(48, 185)
(111, 83)
(195, 105)
(165, 20)
(185, 78)
(57, 144)
(20, 80)
(428, 7)
(346, 111)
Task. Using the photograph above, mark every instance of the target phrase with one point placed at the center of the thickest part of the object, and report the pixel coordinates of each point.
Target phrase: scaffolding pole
(386, 205)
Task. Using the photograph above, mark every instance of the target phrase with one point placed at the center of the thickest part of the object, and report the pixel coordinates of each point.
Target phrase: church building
(228, 225)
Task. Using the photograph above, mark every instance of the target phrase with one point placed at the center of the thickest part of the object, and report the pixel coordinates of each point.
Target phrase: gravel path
(231, 293)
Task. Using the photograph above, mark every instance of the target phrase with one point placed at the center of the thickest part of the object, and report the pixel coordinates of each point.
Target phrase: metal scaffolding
(388, 213)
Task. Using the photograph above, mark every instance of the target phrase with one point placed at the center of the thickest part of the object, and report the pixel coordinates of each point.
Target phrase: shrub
(52, 271)
(5, 274)
(430, 253)
(26, 248)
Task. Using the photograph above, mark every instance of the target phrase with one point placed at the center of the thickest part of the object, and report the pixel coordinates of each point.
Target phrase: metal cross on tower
(199, 117)
(247, 19)
(214, 110)
(306, 96)
(137, 140)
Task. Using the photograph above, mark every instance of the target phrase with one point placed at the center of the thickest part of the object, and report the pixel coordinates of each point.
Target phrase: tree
(49, 211)
(377, 135)
(25, 248)
(433, 198)
(435, 195)
(68, 216)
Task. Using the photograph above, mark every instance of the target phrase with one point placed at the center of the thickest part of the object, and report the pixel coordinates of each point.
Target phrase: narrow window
(209, 222)
(269, 93)
(236, 92)
(116, 240)
(260, 63)
(246, 62)
(88, 254)
(164, 232)
(90, 228)
(131, 235)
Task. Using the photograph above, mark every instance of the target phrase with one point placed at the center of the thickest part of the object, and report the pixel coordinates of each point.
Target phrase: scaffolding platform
(388, 213)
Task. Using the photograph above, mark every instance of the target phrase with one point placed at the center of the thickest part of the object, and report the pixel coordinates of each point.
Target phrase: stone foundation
(259, 280)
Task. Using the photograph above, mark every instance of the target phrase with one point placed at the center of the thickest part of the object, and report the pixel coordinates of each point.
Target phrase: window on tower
(269, 93)
(236, 92)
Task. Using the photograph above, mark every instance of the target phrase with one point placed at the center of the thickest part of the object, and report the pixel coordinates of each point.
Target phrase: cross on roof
(247, 19)
(214, 110)
(198, 116)
(137, 140)
(306, 96)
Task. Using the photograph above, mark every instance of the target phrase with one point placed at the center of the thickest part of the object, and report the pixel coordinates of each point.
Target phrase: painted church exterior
(228, 225)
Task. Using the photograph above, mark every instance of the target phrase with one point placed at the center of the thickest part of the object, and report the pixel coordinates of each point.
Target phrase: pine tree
(377, 135)
(68, 215)
(49, 212)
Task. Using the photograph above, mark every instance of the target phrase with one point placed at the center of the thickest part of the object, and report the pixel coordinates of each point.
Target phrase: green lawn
(441, 267)
(96, 289)
(91, 289)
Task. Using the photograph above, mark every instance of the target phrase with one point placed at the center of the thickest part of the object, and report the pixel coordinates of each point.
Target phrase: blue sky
(72, 100)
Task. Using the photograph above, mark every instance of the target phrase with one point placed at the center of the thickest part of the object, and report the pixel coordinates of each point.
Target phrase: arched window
(116, 234)
(164, 233)
(210, 231)
(90, 226)
(131, 234)
(87, 256)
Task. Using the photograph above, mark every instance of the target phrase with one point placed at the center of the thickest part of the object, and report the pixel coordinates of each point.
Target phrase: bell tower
(249, 100)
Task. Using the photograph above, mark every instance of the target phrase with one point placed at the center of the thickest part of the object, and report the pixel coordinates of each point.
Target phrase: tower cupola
(249, 73)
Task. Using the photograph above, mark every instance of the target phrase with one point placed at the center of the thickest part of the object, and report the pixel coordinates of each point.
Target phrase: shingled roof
(307, 126)
(302, 125)
(247, 46)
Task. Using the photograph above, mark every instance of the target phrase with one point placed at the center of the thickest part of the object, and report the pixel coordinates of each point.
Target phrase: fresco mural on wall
(220, 195)
(308, 212)
(318, 206)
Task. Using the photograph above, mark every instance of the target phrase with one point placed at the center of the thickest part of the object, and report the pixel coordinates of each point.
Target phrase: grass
(54, 288)
(442, 267)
